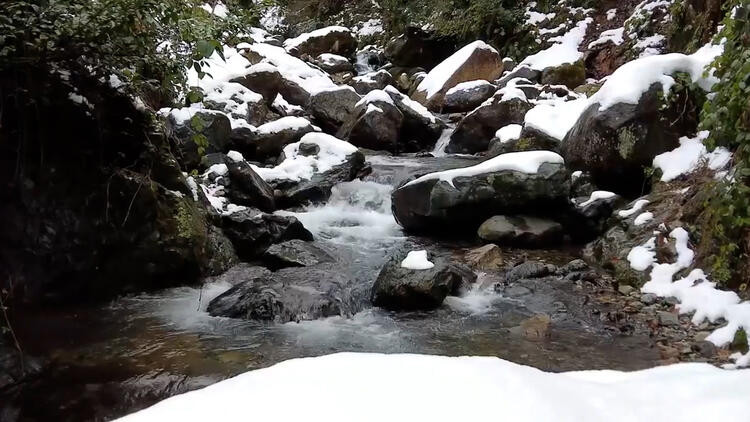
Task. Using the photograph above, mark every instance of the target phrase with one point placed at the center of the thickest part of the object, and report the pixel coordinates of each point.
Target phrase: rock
(252, 232)
(667, 319)
(535, 328)
(576, 265)
(203, 132)
(509, 64)
(295, 253)
(531, 139)
(372, 81)
(258, 113)
(290, 295)
(488, 257)
(475, 131)
(570, 74)
(263, 78)
(333, 63)
(581, 185)
(705, 349)
(368, 58)
(241, 273)
(375, 123)
(401, 289)
(649, 298)
(430, 204)
(333, 39)
(467, 96)
(616, 144)
(624, 289)
(529, 269)
(524, 72)
(420, 129)
(587, 217)
(333, 107)
(249, 189)
(521, 231)
(270, 139)
(293, 92)
(475, 61)
(418, 48)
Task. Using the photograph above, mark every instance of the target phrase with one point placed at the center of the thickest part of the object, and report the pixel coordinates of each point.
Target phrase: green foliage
(727, 116)
(147, 44)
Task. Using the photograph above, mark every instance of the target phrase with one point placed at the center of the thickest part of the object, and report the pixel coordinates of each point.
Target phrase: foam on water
(442, 143)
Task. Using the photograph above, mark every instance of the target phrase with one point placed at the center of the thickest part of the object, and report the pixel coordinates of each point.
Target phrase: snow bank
(524, 162)
(417, 260)
(644, 256)
(342, 387)
(565, 49)
(555, 117)
(689, 156)
(439, 76)
(296, 167)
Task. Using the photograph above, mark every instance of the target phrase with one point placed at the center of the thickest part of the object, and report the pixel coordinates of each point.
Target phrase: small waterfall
(443, 142)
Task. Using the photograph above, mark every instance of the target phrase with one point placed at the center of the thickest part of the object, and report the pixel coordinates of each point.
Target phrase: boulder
(488, 257)
(588, 216)
(418, 48)
(332, 107)
(477, 60)
(333, 39)
(293, 92)
(460, 200)
(241, 273)
(268, 140)
(523, 72)
(374, 124)
(570, 74)
(371, 81)
(290, 295)
(252, 231)
(403, 289)
(420, 129)
(263, 78)
(197, 133)
(520, 230)
(249, 189)
(475, 131)
(294, 253)
(616, 144)
(531, 139)
(333, 63)
(467, 96)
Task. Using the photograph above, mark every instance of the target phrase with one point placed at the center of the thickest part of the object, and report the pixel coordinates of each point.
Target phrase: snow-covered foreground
(374, 387)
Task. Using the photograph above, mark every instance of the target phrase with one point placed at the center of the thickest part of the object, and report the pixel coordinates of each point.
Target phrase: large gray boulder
(247, 188)
(290, 295)
(371, 81)
(467, 96)
(375, 123)
(333, 39)
(333, 107)
(252, 231)
(263, 78)
(521, 230)
(268, 140)
(460, 200)
(420, 129)
(616, 144)
(403, 289)
(295, 253)
(475, 131)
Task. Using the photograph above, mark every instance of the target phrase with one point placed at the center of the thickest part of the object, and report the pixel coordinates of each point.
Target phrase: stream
(110, 360)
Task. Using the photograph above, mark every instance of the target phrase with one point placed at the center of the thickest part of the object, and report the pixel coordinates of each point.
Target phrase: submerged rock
(401, 289)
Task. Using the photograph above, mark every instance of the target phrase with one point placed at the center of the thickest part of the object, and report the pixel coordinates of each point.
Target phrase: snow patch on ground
(296, 167)
(689, 156)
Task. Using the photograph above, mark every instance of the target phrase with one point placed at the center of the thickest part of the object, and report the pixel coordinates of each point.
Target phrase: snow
(615, 36)
(436, 80)
(643, 218)
(372, 108)
(639, 204)
(699, 296)
(631, 80)
(235, 156)
(689, 156)
(466, 86)
(281, 103)
(509, 133)
(534, 17)
(555, 117)
(524, 162)
(219, 169)
(642, 257)
(417, 260)
(370, 27)
(649, 45)
(322, 32)
(413, 105)
(597, 196)
(298, 167)
(341, 388)
(332, 59)
(377, 95)
(565, 49)
(611, 13)
(284, 123)
(293, 69)
(219, 10)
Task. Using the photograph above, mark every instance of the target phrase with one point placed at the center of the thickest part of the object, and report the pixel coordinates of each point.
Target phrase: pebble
(648, 298)
(672, 300)
(667, 319)
(625, 289)
(705, 348)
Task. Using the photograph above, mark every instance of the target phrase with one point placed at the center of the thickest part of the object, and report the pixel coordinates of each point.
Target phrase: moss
(626, 141)
(571, 75)
(189, 223)
(523, 144)
(740, 341)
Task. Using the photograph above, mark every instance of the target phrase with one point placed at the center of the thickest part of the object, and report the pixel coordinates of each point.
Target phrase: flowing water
(111, 360)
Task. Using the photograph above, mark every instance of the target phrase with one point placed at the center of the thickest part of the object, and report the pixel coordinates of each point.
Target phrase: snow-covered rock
(467, 96)
(332, 39)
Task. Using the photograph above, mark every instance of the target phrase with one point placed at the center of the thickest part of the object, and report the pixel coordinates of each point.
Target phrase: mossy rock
(588, 89)
(571, 75)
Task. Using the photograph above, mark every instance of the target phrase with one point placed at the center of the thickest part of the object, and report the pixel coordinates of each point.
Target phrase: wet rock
(488, 257)
(375, 123)
(535, 328)
(242, 272)
(478, 61)
(587, 217)
(333, 39)
(252, 232)
(521, 231)
(516, 291)
(616, 144)
(475, 131)
(398, 288)
(420, 128)
(529, 269)
(372, 81)
(290, 295)
(431, 204)
(467, 96)
(204, 132)
(248, 188)
(667, 319)
(295, 253)
(570, 74)
(332, 107)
